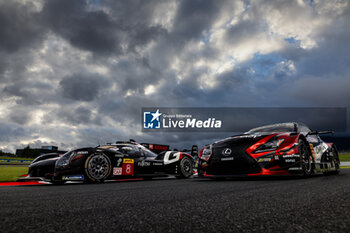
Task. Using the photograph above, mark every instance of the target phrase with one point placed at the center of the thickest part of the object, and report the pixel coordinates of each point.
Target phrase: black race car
(112, 161)
(278, 149)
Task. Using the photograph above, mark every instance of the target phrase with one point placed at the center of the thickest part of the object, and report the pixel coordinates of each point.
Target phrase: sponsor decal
(151, 120)
(82, 152)
(290, 160)
(291, 156)
(117, 171)
(295, 168)
(226, 152)
(227, 159)
(151, 146)
(312, 150)
(226, 119)
(73, 177)
(160, 147)
(276, 157)
(119, 161)
(157, 164)
(128, 161)
(157, 120)
(264, 160)
(171, 157)
(192, 123)
(128, 168)
(143, 163)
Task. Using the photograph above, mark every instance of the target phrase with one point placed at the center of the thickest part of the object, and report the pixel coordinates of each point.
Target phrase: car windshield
(123, 148)
(286, 127)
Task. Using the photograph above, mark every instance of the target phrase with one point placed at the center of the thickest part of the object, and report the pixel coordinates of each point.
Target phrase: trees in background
(6, 154)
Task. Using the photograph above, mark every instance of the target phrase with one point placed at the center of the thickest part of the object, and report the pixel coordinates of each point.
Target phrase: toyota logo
(227, 151)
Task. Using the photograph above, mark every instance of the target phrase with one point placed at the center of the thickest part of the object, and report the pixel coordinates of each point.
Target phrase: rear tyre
(186, 168)
(335, 162)
(97, 168)
(305, 158)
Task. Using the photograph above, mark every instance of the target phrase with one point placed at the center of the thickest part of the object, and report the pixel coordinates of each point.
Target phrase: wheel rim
(305, 159)
(186, 167)
(98, 167)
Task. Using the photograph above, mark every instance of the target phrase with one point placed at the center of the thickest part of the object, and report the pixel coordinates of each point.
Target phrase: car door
(148, 164)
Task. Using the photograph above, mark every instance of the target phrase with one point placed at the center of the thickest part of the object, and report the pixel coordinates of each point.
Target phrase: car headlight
(64, 160)
(206, 154)
(270, 145)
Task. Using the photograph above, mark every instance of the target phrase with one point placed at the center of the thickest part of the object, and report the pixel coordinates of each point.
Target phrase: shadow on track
(261, 178)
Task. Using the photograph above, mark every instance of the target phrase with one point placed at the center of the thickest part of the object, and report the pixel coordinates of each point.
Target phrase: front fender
(171, 157)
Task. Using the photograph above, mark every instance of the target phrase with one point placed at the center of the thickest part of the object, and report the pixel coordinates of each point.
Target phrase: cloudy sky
(76, 73)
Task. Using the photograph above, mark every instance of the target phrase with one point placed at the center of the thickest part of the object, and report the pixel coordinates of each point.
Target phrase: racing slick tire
(97, 168)
(305, 159)
(335, 161)
(186, 168)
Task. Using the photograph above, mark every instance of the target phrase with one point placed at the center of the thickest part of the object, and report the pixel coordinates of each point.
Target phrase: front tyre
(305, 159)
(186, 168)
(97, 168)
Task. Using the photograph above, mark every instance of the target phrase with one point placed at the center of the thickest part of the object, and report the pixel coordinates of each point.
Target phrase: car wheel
(186, 168)
(305, 159)
(97, 168)
(335, 161)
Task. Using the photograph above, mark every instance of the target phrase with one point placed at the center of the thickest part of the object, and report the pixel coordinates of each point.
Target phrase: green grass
(344, 157)
(12, 173)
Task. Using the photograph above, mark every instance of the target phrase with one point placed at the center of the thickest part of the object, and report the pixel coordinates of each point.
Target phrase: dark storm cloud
(193, 17)
(19, 26)
(75, 116)
(28, 93)
(97, 31)
(10, 132)
(90, 30)
(20, 116)
(93, 66)
(81, 87)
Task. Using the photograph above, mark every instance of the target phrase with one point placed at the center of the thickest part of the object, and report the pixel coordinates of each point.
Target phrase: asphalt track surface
(317, 204)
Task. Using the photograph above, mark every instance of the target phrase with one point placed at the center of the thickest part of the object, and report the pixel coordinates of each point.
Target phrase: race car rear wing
(320, 132)
(156, 148)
